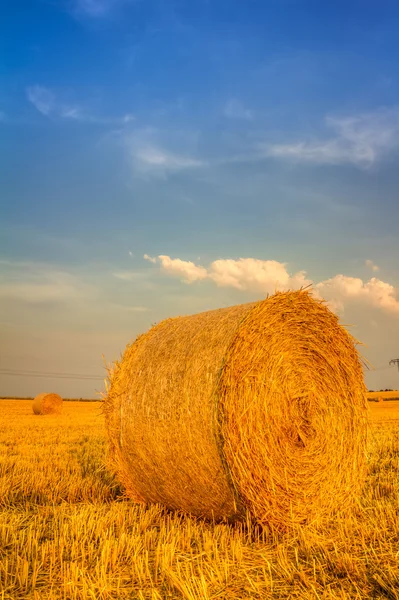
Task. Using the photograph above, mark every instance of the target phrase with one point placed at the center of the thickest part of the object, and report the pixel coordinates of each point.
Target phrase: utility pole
(394, 361)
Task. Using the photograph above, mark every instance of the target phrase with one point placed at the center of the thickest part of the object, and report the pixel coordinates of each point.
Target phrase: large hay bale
(259, 406)
(47, 404)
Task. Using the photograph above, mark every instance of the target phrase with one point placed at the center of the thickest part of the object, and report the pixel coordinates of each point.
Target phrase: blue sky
(241, 146)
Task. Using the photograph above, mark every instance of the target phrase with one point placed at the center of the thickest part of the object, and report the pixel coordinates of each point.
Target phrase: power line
(394, 361)
(47, 372)
(49, 375)
(52, 376)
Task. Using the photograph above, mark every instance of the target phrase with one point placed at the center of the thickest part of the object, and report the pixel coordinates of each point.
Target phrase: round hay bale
(260, 406)
(47, 404)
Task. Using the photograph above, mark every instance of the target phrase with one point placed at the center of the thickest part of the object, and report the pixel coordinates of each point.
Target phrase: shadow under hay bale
(260, 406)
(47, 404)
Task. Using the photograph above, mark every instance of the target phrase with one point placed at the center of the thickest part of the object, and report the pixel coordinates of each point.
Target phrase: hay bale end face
(47, 404)
(260, 406)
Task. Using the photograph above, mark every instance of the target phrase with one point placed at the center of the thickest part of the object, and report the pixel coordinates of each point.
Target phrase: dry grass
(51, 461)
(47, 404)
(259, 406)
(66, 532)
(385, 412)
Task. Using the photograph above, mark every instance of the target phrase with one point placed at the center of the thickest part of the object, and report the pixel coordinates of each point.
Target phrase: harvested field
(68, 532)
(394, 395)
(384, 412)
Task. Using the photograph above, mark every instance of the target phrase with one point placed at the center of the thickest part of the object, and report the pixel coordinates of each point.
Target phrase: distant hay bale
(260, 406)
(380, 399)
(47, 404)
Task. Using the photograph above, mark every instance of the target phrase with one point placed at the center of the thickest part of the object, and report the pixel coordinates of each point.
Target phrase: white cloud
(235, 110)
(374, 292)
(37, 283)
(360, 140)
(186, 270)
(255, 275)
(243, 274)
(268, 276)
(150, 258)
(371, 265)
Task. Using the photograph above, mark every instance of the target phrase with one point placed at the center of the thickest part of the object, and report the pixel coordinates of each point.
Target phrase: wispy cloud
(127, 308)
(96, 9)
(360, 140)
(36, 283)
(234, 109)
(149, 156)
(93, 8)
(371, 265)
(142, 280)
(267, 276)
(152, 158)
(42, 99)
(48, 104)
(130, 275)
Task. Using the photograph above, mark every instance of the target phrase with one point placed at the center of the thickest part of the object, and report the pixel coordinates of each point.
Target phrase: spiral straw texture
(47, 404)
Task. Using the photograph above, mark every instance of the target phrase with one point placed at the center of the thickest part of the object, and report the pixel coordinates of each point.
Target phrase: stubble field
(67, 531)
